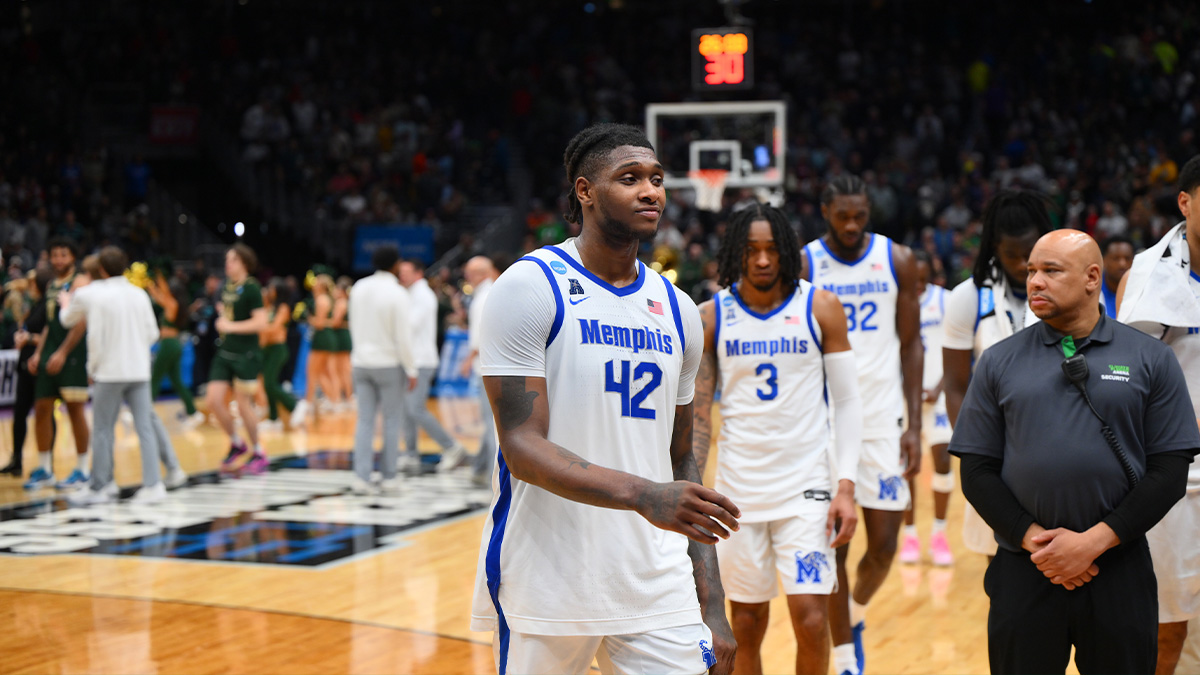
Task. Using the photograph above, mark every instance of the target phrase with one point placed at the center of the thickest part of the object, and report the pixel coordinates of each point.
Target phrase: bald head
(1064, 278)
(478, 269)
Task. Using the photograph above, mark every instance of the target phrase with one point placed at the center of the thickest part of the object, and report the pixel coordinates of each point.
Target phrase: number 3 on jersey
(631, 403)
(858, 316)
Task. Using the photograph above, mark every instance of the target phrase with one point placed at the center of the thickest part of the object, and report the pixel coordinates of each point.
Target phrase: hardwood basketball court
(288, 573)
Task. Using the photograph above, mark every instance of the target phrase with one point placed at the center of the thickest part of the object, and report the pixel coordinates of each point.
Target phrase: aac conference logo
(293, 515)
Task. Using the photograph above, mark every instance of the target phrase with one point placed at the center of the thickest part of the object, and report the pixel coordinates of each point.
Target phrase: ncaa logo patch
(727, 301)
(558, 267)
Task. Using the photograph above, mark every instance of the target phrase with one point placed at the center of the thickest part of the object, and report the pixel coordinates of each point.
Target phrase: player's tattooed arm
(709, 590)
(523, 416)
(706, 384)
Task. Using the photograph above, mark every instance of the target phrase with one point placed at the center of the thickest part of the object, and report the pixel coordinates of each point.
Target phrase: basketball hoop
(710, 188)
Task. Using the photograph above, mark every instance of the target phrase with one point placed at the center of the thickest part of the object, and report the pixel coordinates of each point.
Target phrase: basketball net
(710, 188)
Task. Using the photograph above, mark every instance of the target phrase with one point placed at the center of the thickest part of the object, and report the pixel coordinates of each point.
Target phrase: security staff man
(1070, 510)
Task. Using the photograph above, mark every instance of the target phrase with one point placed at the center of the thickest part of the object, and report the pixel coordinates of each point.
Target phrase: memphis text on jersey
(766, 347)
(861, 288)
(638, 339)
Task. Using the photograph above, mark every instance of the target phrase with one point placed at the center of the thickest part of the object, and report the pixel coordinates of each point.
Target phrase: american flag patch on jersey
(654, 307)
(791, 320)
(876, 267)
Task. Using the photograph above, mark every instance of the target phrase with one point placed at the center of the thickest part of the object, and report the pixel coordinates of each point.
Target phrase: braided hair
(843, 185)
(1011, 213)
(731, 257)
(585, 151)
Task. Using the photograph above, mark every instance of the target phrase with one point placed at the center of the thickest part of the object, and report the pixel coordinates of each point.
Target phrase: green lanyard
(1068, 346)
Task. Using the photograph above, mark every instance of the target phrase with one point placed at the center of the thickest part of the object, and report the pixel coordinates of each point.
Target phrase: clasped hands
(1066, 557)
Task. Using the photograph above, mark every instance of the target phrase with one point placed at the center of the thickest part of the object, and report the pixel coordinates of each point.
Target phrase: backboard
(744, 138)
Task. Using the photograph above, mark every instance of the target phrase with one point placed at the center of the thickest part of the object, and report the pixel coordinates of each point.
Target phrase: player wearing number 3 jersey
(589, 359)
(876, 282)
(773, 342)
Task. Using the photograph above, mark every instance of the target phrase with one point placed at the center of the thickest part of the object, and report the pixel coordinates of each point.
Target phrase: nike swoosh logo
(576, 302)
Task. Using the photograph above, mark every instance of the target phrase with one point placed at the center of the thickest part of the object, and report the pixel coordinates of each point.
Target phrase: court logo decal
(299, 513)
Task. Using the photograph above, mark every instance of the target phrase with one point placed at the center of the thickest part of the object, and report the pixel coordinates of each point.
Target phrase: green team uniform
(238, 358)
(71, 382)
(342, 335)
(275, 357)
(325, 339)
(167, 363)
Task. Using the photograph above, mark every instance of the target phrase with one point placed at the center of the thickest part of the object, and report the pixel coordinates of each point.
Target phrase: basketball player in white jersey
(773, 341)
(1160, 295)
(589, 359)
(876, 281)
(935, 424)
(987, 308)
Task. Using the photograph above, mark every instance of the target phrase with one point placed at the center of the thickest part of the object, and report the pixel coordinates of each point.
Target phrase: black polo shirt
(1021, 408)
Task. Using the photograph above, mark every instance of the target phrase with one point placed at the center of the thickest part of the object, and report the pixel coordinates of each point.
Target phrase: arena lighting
(239, 228)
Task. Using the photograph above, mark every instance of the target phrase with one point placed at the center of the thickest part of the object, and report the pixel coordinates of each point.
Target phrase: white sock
(939, 525)
(83, 462)
(235, 439)
(44, 461)
(858, 613)
(258, 450)
(844, 659)
(910, 530)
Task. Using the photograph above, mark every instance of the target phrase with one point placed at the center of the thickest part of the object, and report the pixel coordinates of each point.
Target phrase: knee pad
(942, 482)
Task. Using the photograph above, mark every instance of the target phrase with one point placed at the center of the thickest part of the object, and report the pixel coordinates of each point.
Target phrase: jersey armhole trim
(492, 558)
(892, 261)
(717, 304)
(559, 310)
(809, 266)
(978, 314)
(812, 329)
(676, 315)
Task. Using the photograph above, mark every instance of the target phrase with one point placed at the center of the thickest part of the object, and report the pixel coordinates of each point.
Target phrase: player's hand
(465, 368)
(222, 325)
(54, 364)
(724, 645)
(412, 383)
(33, 362)
(1064, 555)
(910, 452)
(20, 338)
(690, 509)
(842, 518)
(929, 395)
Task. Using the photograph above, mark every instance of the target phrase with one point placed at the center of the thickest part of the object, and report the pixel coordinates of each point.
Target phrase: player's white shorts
(881, 483)
(935, 423)
(796, 548)
(1175, 550)
(977, 534)
(682, 650)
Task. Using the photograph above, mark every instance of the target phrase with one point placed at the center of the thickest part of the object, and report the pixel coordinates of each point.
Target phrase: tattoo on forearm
(515, 404)
(681, 446)
(573, 459)
(702, 429)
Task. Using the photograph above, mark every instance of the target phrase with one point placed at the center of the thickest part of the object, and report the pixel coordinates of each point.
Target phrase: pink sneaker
(910, 550)
(940, 549)
(257, 465)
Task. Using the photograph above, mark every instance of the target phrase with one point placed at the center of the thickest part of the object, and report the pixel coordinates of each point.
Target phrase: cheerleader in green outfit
(324, 344)
(169, 297)
(342, 371)
(273, 340)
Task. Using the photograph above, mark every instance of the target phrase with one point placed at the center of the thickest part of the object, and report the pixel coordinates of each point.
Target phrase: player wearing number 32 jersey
(589, 359)
(876, 282)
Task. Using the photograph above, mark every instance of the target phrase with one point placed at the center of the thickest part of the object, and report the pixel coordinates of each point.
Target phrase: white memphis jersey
(1185, 342)
(867, 289)
(616, 363)
(774, 416)
(933, 315)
